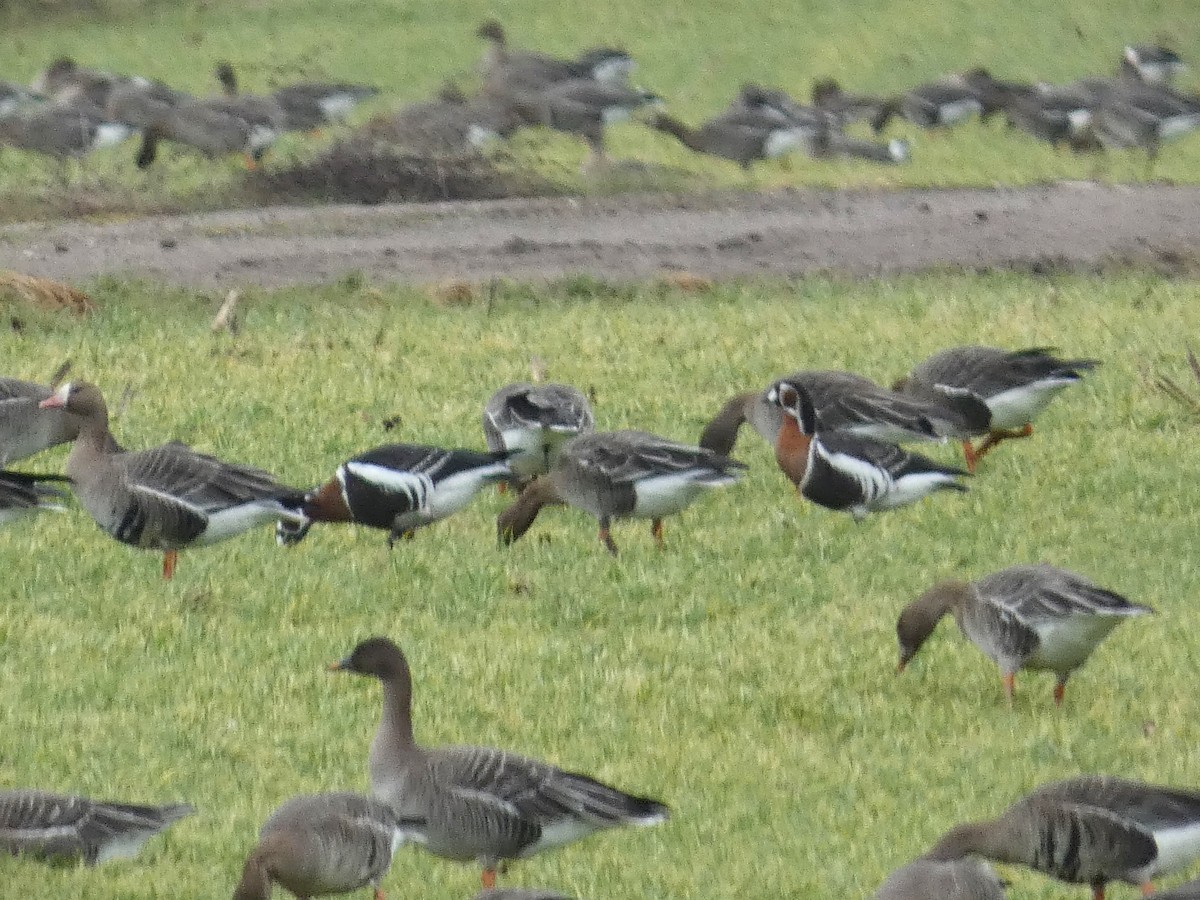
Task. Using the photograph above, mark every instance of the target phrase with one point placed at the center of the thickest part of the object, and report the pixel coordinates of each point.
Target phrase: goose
(398, 487)
(957, 879)
(57, 827)
(65, 77)
(621, 475)
(208, 130)
(450, 123)
(533, 421)
(22, 493)
(834, 144)
(507, 70)
(304, 105)
(1022, 617)
(852, 404)
(938, 104)
(531, 894)
(1152, 64)
(319, 844)
(1188, 891)
(258, 111)
(168, 497)
(479, 803)
(844, 108)
(61, 131)
(846, 473)
(1016, 385)
(730, 137)
(26, 428)
(1090, 830)
(13, 96)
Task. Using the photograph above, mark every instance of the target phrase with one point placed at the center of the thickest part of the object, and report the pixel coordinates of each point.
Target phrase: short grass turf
(694, 53)
(745, 675)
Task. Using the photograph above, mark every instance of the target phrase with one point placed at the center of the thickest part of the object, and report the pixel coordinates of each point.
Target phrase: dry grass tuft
(44, 294)
(454, 292)
(686, 282)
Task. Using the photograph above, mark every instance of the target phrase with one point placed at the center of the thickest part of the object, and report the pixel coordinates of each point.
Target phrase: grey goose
(319, 844)
(22, 493)
(852, 404)
(1091, 830)
(937, 104)
(1152, 64)
(842, 472)
(61, 828)
(522, 894)
(13, 96)
(479, 803)
(533, 421)
(305, 105)
(730, 136)
(26, 428)
(845, 108)
(621, 475)
(447, 124)
(61, 131)
(956, 879)
(168, 497)
(1016, 385)
(508, 70)
(1021, 617)
(398, 488)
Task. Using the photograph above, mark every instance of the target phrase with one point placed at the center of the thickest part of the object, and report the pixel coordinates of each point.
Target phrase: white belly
(1019, 406)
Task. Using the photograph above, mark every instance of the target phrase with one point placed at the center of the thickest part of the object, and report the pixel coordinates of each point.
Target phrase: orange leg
(379, 895)
(656, 530)
(502, 487)
(488, 878)
(1147, 889)
(251, 162)
(996, 437)
(1010, 685)
(170, 559)
(1097, 892)
(970, 456)
(1060, 691)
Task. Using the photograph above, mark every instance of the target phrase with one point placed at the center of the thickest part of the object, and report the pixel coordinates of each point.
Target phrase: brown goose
(168, 497)
(533, 421)
(63, 828)
(730, 136)
(479, 803)
(958, 879)
(1016, 385)
(63, 132)
(320, 844)
(21, 493)
(851, 404)
(619, 475)
(508, 70)
(305, 105)
(1022, 617)
(1088, 830)
(25, 428)
(212, 128)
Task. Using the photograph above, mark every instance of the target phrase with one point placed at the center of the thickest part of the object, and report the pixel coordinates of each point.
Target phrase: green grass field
(694, 54)
(745, 675)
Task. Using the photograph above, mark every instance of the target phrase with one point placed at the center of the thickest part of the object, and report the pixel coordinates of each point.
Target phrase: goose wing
(625, 457)
(1079, 842)
(1150, 807)
(1042, 592)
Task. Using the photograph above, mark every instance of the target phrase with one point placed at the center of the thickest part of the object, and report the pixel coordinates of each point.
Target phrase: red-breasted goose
(533, 421)
(319, 844)
(1088, 830)
(851, 404)
(400, 488)
(479, 803)
(56, 827)
(22, 493)
(1016, 385)
(621, 475)
(956, 879)
(166, 498)
(843, 472)
(1022, 617)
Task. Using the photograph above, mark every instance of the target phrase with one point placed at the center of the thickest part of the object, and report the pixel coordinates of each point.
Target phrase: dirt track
(1067, 226)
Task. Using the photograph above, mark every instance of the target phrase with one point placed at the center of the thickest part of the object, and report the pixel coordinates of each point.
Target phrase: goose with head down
(168, 497)
(621, 475)
(533, 421)
(1022, 617)
(479, 803)
(957, 879)
(22, 493)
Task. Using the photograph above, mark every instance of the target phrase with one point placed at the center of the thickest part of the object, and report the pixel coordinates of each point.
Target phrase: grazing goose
(61, 131)
(958, 879)
(1088, 830)
(508, 70)
(22, 493)
(842, 472)
(1016, 385)
(1151, 64)
(479, 803)
(621, 475)
(1022, 617)
(304, 105)
(938, 104)
(168, 497)
(66, 78)
(854, 405)
(209, 129)
(843, 108)
(730, 137)
(533, 421)
(320, 844)
(583, 107)
(26, 428)
(400, 488)
(61, 828)
(527, 894)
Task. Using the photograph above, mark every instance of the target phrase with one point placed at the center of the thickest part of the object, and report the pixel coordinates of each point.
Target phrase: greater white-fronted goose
(530, 894)
(508, 70)
(305, 105)
(938, 104)
(621, 475)
(479, 803)
(956, 879)
(450, 123)
(1088, 830)
(400, 488)
(1152, 64)
(166, 498)
(57, 827)
(849, 403)
(1016, 385)
(842, 472)
(730, 137)
(65, 77)
(533, 421)
(26, 428)
(22, 493)
(845, 108)
(320, 844)
(1022, 617)
(210, 130)
(61, 131)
